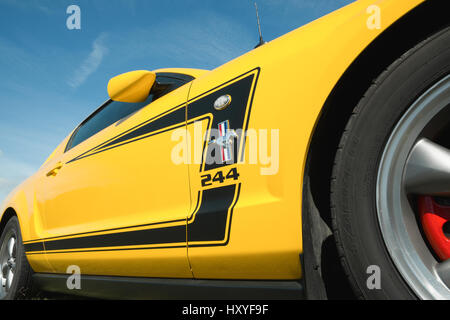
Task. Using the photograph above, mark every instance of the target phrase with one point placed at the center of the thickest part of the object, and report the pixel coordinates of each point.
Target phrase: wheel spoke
(11, 247)
(428, 169)
(443, 270)
(9, 280)
(5, 269)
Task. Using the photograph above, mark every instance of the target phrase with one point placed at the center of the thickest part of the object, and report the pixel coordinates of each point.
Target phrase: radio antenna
(261, 41)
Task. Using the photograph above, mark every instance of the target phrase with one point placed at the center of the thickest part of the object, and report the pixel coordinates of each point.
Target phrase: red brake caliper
(433, 216)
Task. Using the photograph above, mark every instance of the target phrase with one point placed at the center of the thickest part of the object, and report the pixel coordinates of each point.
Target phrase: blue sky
(51, 78)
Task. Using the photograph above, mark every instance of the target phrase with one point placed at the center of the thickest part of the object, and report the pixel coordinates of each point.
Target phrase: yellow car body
(117, 205)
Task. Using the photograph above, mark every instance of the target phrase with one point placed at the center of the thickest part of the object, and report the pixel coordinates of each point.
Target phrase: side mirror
(132, 86)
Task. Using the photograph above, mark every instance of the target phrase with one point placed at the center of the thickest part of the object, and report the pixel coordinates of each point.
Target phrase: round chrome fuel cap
(222, 102)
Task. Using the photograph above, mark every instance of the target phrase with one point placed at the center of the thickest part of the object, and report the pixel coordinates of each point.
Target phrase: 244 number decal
(219, 177)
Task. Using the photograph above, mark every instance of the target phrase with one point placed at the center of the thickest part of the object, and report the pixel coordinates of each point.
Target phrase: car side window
(113, 111)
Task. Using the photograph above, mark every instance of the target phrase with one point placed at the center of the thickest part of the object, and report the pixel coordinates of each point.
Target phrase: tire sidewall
(358, 161)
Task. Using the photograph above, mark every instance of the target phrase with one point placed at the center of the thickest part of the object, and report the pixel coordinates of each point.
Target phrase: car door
(115, 203)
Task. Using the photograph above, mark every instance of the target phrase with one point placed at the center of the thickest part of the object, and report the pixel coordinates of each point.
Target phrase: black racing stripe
(174, 234)
(176, 117)
(108, 249)
(190, 218)
(223, 84)
(210, 220)
(105, 230)
(37, 246)
(168, 119)
(245, 126)
(129, 130)
(227, 239)
(136, 139)
(150, 135)
(125, 142)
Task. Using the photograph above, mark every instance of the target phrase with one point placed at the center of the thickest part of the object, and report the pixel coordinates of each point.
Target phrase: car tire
(361, 241)
(14, 264)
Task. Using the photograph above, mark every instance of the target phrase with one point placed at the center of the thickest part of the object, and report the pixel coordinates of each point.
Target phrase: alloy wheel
(413, 192)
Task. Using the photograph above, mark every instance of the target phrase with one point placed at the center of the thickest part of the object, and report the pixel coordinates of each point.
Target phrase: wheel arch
(404, 34)
(19, 204)
(8, 214)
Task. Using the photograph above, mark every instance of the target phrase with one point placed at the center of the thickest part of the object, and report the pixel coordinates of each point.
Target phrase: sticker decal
(225, 140)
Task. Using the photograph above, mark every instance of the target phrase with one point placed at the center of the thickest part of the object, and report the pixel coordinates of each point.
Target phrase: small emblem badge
(225, 140)
(222, 102)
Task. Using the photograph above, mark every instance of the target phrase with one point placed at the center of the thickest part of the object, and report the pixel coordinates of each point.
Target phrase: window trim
(177, 76)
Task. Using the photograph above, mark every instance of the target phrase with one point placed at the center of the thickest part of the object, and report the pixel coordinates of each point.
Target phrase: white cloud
(1, 152)
(91, 63)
